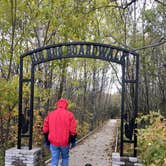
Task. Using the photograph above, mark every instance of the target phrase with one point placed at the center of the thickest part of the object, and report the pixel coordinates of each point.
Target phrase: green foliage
(82, 129)
(8, 113)
(152, 140)
(8, 94)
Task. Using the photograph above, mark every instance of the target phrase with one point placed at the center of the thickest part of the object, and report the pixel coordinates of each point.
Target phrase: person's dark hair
(88, 165)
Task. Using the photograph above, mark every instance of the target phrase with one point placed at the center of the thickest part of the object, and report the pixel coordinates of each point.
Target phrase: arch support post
(122, 107)
(31, 106)
(20, 104)
(136, 105)
(130, 82)
(28, 132)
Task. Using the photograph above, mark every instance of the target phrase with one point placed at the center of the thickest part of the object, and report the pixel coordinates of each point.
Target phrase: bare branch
(37, 36)
(46, 32)
(13, 21)
(162, 3)
(125, 6)
(128, 4)
(120, 43)
(116, 73)
(151, 46)
(160, 42)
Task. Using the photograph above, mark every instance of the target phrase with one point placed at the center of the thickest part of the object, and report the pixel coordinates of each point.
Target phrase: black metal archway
(83, 50)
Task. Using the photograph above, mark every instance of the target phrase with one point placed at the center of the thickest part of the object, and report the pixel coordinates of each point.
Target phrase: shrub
(152, 140)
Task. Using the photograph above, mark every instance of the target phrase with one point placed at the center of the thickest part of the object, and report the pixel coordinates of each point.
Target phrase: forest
(93, 87)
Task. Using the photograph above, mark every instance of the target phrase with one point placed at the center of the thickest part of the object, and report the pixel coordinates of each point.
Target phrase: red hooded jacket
(60, 123)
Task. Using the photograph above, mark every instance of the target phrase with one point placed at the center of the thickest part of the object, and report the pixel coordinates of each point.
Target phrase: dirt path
(96, 149)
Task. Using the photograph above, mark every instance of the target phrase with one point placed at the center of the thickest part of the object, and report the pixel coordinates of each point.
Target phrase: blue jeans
(55, 153)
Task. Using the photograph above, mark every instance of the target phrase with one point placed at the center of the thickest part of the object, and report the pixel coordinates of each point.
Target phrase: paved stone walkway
(97, 148)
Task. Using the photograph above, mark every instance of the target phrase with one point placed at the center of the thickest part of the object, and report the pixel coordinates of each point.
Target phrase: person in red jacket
(60, 125)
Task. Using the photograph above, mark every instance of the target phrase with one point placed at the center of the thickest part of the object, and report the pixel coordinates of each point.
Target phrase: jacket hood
(62, 103)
